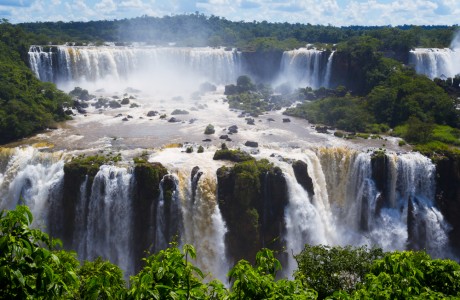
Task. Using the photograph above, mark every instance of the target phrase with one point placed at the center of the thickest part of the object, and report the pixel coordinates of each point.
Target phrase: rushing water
(146, 68)
(346, 207)
(434, 62)
(307, 67)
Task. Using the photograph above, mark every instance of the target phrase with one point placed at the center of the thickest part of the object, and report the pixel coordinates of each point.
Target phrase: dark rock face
(252, 197)
(146, 192)
(262, 66)
(382, 178)
(448, 195)
(301, 174)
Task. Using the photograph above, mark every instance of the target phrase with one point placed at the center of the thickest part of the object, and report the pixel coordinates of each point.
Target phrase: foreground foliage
(32, 268)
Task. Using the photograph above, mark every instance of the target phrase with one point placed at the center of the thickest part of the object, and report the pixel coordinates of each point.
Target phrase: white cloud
(132, 3)
(106, 6)
(335, 12)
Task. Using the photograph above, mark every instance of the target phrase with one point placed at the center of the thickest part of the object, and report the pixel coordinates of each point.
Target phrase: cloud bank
(334, 12)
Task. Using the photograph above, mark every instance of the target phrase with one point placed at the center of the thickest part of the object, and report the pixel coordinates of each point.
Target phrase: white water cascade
(30, 177)
(306, 67)
(105, 227)
(347, 208)
(148, 68)
(349, 205)
(204, 226)
(434, 62)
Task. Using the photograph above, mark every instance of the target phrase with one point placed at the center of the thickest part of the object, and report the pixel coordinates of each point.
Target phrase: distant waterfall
(434, 62)
(306, 67)
(79, 65)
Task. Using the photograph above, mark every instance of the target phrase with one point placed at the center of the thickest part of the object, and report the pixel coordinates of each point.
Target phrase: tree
(411, 275)
(28, 266)
(244, 84)
(328, 269)
(169, 275)
(101, 280)
(417, 131)
(258, 282)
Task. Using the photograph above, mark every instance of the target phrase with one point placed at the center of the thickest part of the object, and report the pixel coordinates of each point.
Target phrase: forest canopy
(201, 30)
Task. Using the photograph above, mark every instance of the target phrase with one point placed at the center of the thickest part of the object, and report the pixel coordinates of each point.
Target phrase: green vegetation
(255, 100)
(26, 104)
(232, 155)
(31, 267)
(83, 165)
(200, 30)
(209, 129)
(328, 269)
(384, 94)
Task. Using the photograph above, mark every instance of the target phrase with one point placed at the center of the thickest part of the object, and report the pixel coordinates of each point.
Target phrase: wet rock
(114, 104)
(233, 129)
(125, 119)
(286, 120)
(321, 129)
(119, 115)
(303, 178)
(174, 120)
(223, 137)
(207, 140)
(209, 129)
(152, 113)
(250, 121)
(271, 120)
(254, 217)
(125, 101)
(180, 112)
(251, 144)
(448, 195)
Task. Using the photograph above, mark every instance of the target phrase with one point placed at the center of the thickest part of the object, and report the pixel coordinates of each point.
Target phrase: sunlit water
(342, 211)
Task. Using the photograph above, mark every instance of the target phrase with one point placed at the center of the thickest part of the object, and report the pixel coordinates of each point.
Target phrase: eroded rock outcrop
(252, 197)
(448, 195)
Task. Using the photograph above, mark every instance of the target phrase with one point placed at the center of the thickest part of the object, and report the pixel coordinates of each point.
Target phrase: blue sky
(335, 12)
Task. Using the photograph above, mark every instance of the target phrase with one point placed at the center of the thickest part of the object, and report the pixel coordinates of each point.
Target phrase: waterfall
(349, 208)
(106, 65)
(108, 218)
(28, 176)
(168, 224)
(327, 77)
(306, 67)
(204, 226)
(433, 62)
(349, 205)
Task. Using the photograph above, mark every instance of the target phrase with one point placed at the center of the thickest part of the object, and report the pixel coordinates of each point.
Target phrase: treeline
(27, 105)
(201, 30)
(32, 267)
